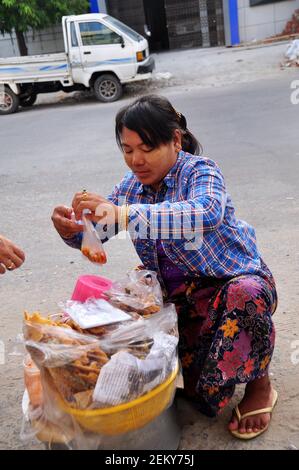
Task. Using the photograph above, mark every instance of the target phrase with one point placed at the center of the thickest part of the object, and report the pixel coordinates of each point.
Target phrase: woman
(182, 222)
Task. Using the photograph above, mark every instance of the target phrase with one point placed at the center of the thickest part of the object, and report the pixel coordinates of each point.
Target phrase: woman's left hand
(101, 209)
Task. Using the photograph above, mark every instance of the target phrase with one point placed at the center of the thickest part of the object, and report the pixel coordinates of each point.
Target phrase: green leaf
(24, 14)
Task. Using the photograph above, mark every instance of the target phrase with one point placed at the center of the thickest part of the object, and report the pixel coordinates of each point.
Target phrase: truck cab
(98, 45)
(101, 54)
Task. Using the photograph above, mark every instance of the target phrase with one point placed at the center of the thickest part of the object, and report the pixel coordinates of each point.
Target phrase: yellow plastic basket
(128, 416)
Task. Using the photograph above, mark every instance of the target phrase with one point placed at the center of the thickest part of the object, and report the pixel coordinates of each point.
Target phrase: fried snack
(140, 349)
(140, 292)
(80, 375)
(138, 307)
(34, 325)
(98, 257)
(81, 360)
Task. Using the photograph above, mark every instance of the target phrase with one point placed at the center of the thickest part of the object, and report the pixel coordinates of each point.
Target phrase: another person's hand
(101, 209)
(62, 220)
(11, 256)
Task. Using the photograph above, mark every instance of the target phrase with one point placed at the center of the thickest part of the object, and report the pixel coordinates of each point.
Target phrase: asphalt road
(51, 151)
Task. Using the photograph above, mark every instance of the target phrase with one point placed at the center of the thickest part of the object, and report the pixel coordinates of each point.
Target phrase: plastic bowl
(128, 416)
(88, 286)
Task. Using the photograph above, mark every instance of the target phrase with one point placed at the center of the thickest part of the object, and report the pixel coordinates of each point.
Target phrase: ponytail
(154, 119)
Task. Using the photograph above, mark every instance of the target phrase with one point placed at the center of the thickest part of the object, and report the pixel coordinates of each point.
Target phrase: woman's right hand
(62, 220)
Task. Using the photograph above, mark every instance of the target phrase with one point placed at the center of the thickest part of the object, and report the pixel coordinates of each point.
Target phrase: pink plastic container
(91, 286)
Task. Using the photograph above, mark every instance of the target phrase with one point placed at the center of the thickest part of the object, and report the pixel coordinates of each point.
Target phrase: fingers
(61, 219)
(68, 225)
(86, 205)
(81, 206)
(19, 253)
(11, 261)
(93, 218)
(16, 260)
(11, 256)
(77, 199)
(86, 200)
(64, 211)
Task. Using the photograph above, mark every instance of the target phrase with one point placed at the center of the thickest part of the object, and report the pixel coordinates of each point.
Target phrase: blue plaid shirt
(192, 216)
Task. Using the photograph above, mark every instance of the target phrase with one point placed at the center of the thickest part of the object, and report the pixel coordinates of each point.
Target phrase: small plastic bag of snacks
(139, 292)
(92, 246)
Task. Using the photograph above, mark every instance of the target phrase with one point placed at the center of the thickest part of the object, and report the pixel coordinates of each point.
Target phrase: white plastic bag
(292, 52)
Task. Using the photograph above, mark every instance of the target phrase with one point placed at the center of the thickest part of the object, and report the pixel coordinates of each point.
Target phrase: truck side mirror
(122, 42)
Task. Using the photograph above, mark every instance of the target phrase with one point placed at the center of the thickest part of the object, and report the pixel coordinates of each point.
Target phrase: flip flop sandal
(252, 435)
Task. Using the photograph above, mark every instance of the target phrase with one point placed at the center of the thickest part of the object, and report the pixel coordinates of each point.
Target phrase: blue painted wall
(94, 6)
(234, 22)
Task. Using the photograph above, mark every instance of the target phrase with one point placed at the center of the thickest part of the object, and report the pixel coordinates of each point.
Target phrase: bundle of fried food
(70, 358)
(124, 302)
(140, 292)
(70, 361)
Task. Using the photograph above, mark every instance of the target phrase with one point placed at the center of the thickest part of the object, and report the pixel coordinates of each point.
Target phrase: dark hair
(155, 120)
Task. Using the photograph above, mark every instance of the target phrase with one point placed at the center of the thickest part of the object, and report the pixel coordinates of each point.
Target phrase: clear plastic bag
(92, 246)
(126, 377)
(139, 292)
(82, 374)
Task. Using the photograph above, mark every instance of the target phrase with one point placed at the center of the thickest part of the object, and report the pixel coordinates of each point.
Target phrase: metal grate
(216, 23)
(190, 23)
(183, 23)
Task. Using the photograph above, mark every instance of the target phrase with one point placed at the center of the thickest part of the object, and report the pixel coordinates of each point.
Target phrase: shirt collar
(169, 179)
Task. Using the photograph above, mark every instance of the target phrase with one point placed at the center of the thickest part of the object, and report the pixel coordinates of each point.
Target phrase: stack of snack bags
(100, 354)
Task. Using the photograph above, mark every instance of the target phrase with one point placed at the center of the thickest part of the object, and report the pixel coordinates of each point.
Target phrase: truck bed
(34, 68)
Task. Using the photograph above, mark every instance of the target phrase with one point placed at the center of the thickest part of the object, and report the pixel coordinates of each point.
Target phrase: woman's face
(148, 164)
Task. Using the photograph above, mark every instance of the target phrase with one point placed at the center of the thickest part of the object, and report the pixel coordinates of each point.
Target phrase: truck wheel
(107, 88)
(28, 101)
(9, 101)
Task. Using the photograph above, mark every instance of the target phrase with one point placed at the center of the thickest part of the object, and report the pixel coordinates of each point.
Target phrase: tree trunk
(21, 43)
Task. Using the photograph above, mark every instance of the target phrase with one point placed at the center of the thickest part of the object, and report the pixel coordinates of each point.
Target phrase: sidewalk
(220, 66)
(205, 68)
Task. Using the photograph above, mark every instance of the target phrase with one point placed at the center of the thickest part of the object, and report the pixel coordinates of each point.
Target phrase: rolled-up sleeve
(202, 211)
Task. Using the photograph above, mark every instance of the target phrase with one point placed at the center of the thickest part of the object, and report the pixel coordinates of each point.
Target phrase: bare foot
(258, 394)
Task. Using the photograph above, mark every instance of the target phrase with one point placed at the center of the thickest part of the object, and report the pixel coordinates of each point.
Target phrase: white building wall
(262, 21)
(40, 42)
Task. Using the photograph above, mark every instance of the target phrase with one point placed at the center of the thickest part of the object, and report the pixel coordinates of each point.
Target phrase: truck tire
(28, 101)
(9, 101)
(107, 88)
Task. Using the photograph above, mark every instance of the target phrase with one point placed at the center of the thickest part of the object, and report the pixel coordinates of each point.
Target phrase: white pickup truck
(101, 54)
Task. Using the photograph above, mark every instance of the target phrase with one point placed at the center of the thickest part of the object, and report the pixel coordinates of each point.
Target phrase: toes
(233, 424)
(264, 422)
(242, 430)
(242, 427)
(249, 425)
